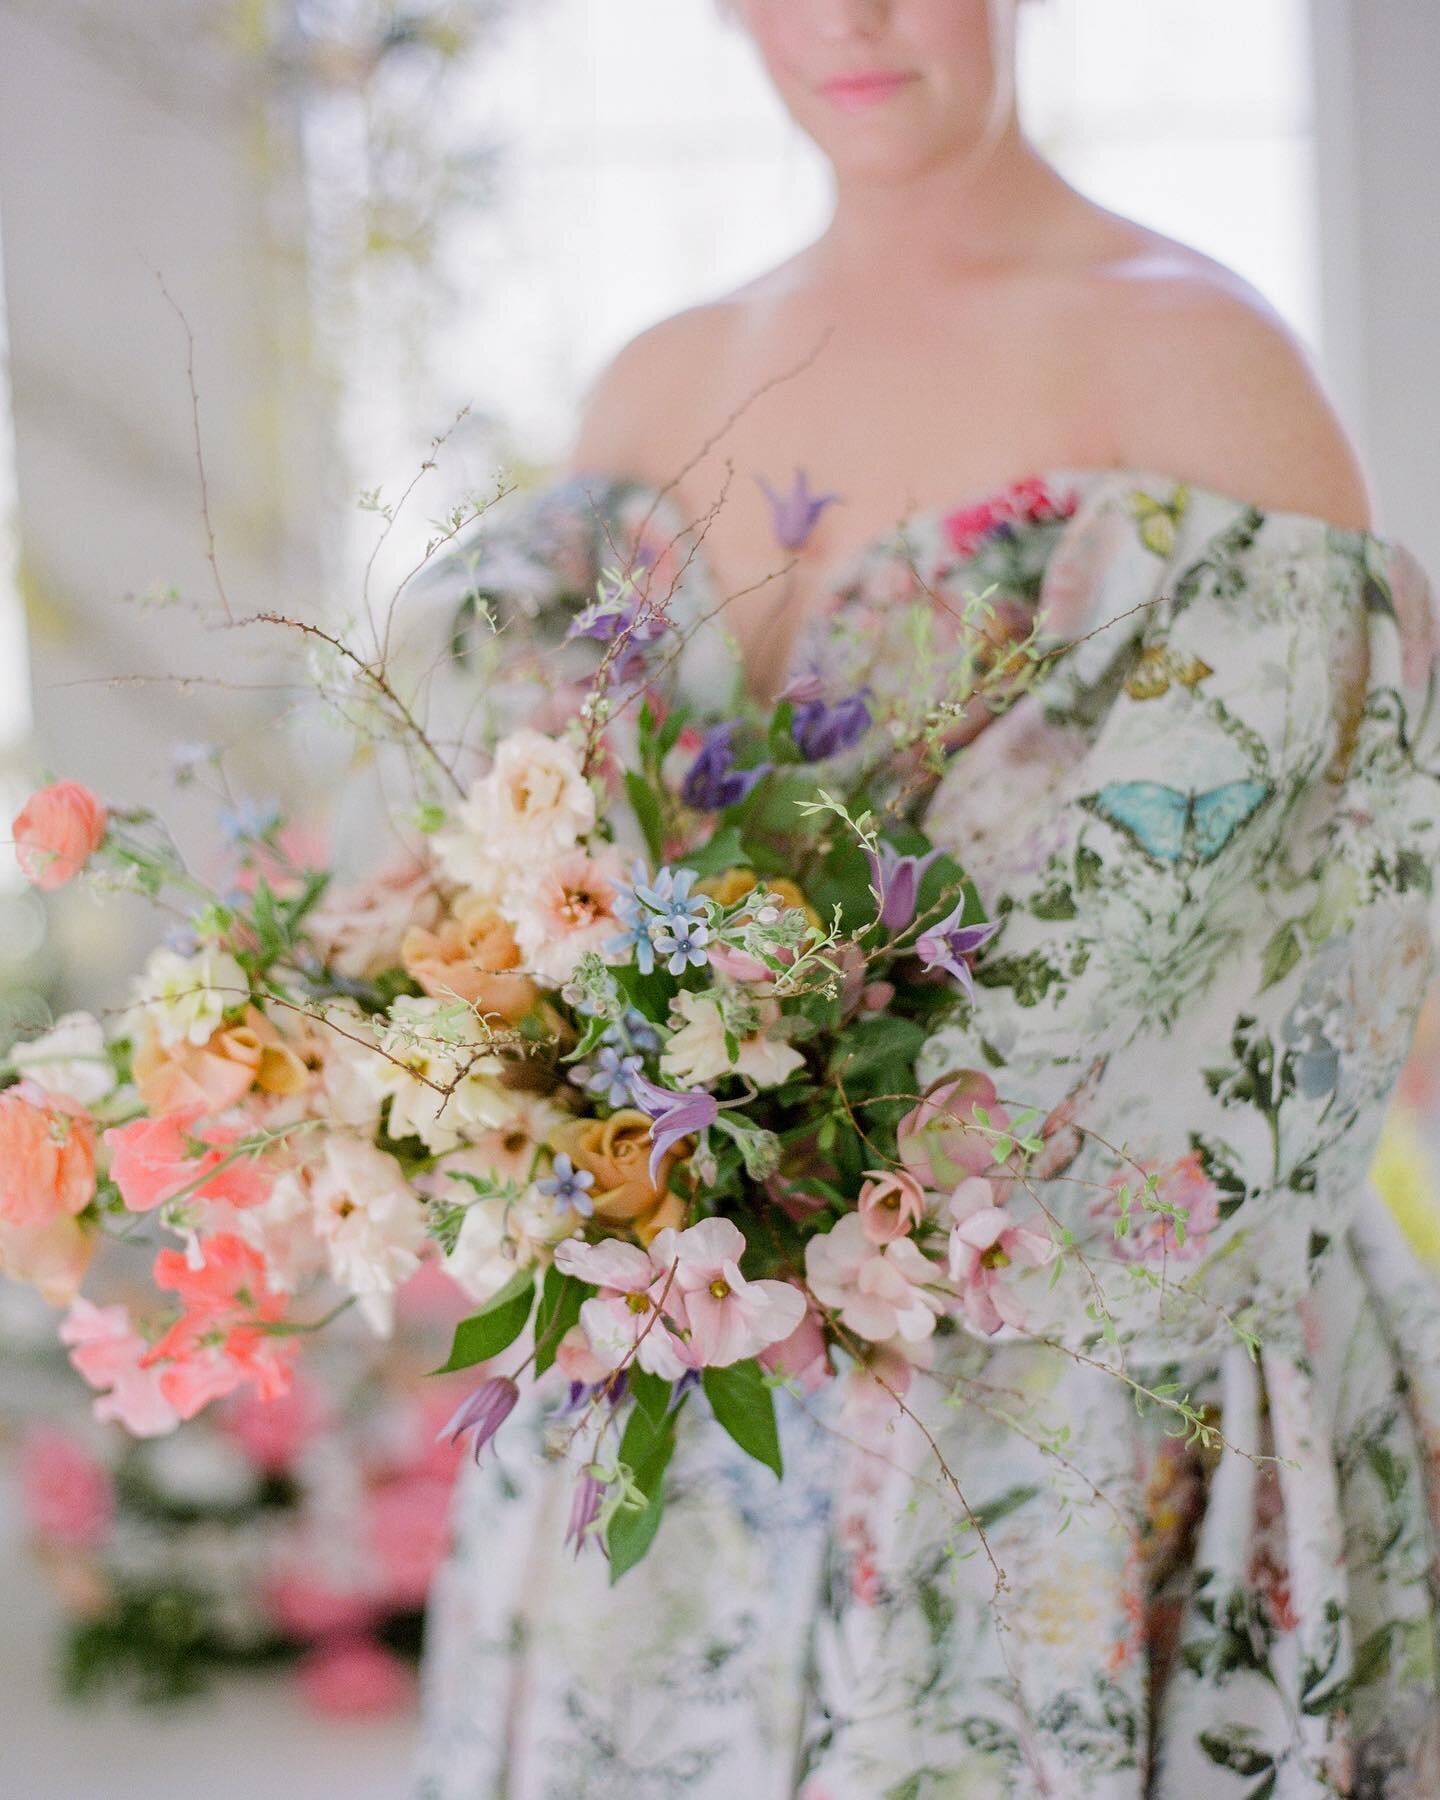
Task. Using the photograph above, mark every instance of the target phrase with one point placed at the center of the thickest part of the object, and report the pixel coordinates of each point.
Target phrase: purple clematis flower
(482, 1412)
(673, 1115)
(896, 879)
(948, 944)
(793, 515)
(820, 730)
(713, 781)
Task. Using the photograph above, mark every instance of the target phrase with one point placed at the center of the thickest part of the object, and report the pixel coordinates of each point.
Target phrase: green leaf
(645, 1449)
(652, 1395)
(724, 851)
(494, 1327)
(670, 731)
(745, 1406)
(647, 811)
(561, 1298)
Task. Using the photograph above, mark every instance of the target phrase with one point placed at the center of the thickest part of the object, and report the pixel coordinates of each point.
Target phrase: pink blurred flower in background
(66, 1493)
(354, 1677)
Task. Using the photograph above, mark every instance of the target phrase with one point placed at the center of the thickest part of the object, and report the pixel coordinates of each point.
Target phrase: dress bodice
(1208, 831)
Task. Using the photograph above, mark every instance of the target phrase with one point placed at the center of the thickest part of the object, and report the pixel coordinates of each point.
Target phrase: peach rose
(57, 831)
(47, 1156)
(471, 955)
(616, 1151)
(214, 1075)
(892, 1203)
(359, 929)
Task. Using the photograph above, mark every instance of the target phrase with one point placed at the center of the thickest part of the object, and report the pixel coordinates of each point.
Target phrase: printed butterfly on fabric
(1170, 826)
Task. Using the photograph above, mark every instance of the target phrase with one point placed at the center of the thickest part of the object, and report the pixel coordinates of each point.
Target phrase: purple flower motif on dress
(948, 944)
(793, 515)
(896, 879)
(820, 730)
(482, 1412)
(673, 1115)
(713, 782)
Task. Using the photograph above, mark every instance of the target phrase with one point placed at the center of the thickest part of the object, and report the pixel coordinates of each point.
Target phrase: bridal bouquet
(625, 1040)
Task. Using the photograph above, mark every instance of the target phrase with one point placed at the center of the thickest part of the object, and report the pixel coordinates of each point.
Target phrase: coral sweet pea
(57, 831)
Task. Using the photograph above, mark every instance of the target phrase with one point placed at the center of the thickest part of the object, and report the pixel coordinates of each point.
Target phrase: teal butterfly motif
(1171, 826)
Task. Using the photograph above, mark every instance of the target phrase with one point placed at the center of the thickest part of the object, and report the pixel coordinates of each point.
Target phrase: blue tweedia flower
(610, 1076)
(662, 914)
(637, 1032)
(568, 1186)
(684, 942)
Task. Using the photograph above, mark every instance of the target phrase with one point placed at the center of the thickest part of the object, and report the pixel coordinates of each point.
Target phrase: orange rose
(47, 1156)
(736, 883)
(471, 955)
(57, 831)
(213, 1075)
(616, 1151)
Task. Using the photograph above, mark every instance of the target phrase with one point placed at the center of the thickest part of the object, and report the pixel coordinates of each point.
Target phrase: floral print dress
(1209, 833)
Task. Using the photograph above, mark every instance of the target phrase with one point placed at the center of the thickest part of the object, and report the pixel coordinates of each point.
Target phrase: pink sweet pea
(880, 1292)
(985, 1242)
(220, 1342)
(729, 1317)
(153, 1160)
(110, 1355)
(56, 832)
(940, 1141)
(626, 1319)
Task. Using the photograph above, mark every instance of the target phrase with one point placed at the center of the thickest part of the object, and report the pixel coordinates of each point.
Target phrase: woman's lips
(853, 92)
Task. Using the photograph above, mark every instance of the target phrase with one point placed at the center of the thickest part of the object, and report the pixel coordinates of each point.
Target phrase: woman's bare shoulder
(1201, 377)
(637, 415)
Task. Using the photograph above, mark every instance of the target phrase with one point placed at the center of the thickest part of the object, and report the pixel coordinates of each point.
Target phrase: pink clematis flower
(628, 1318)
(891, 1204)
(153, 1160)
(985, 1242)
(729, 1317)
(803, 1357)
(880, 1292)
(56, 832)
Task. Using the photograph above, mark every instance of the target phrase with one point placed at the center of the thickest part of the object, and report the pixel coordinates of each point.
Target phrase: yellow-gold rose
(736, 883)
(616, 1151)
(471, 955)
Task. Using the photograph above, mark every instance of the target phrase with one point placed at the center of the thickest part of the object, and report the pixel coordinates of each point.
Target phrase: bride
(972, 350)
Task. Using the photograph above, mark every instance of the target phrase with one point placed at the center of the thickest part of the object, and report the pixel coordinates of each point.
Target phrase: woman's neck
(986, 208)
